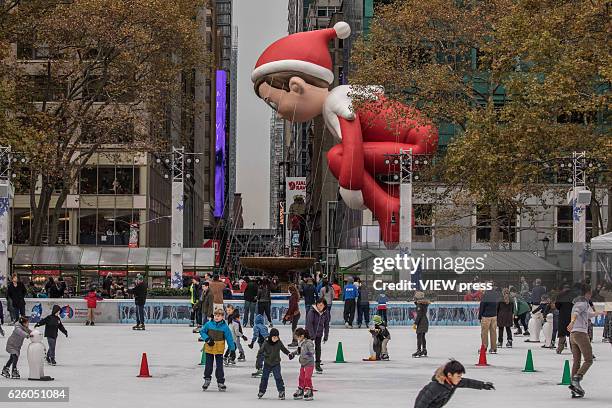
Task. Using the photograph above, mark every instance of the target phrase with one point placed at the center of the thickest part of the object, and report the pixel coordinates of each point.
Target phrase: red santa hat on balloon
(305, 52)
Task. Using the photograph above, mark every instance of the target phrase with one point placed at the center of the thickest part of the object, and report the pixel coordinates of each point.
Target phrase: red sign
(189, 274)
(214, 243)
(114, 273)
(48, 272)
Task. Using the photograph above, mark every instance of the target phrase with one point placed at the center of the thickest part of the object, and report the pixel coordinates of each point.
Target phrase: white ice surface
(100, 365)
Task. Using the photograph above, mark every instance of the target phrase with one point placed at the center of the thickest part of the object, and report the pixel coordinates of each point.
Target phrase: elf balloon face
(293, 76)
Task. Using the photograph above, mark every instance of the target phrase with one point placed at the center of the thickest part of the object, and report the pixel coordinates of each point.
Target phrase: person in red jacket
(92, 302)
(293, 313)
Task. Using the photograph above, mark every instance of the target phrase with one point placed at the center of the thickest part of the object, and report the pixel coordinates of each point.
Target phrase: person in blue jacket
(351, 292)
(260, 333)
(215, 334)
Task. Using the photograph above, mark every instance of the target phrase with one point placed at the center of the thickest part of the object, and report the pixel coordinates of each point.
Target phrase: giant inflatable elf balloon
(293, 76)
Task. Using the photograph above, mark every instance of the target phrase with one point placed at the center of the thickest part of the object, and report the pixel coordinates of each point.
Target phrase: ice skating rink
(100, 365)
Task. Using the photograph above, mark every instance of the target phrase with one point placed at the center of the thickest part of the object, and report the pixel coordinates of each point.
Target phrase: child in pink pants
(306, 351)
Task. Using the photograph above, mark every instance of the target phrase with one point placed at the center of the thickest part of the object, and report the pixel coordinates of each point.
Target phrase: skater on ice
(293, 312)
(206, 302)
(580, 343)
(444, 383)
(487, 314)
(539, 315)
(521, 308)
(269, 352)
(52, 324)
(505, 311)
(260, 333)
(351, 294)
(317, 326)
(36, 357)
(215, 334)
(306, 352)
(421, 323)
(139, 291)
(13, 347)
(380, 340)
(238, 336)
(92, 299)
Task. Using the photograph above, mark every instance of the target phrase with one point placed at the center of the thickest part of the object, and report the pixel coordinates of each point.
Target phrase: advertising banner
(295, 193)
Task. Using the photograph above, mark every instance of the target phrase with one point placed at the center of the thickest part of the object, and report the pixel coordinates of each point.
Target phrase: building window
(121, 180)
(507, 223)
(565, 224)
(106, 226)
(45, 89)
(423, 221)
(22, 219)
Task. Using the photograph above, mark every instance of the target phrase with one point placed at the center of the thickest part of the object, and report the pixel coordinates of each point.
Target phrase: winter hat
(274, 332)
(377, 319)
(306, 52)
(419, 295)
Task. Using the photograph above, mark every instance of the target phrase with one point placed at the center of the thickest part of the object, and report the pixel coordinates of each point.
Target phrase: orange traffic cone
(482, 359)
(144, 367)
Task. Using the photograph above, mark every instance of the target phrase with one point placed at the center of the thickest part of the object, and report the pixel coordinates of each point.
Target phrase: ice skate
(424, 353)
(416, 354)
(308, 395)
(241, 357)
(137, 327)
(346, 325)
(206, 384)
(6, 373)
(196, 330)
(500, 344)
(47, 359)
(15, 374)
(257, 373)
(519, 332)
(509, 344)
(371, 358)
(493, 351)
(53, 362)
(226, 361)
(299, 394)
(92, 323)
(318, 368)
(526, 334)
(87, 323)
(191, 324)
(221, 387)
(260, 394)
(384, 357)
(281, 395)
(575, 385)
(142, 326)
(575, 395)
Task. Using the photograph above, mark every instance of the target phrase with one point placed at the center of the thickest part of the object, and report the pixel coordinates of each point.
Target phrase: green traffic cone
(203, 358)
(529, 363)
(567, 377)
(340, 354)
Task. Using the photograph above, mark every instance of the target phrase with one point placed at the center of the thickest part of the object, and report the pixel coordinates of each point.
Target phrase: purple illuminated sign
(220, 144)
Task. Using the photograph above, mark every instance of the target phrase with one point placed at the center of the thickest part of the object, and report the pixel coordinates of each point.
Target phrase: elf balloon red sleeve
(352, 167)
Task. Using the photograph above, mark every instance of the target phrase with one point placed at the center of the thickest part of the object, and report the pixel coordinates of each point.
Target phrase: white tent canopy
(602, 243)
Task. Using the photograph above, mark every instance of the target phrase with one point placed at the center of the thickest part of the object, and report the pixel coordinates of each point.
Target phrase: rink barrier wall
(177, 311)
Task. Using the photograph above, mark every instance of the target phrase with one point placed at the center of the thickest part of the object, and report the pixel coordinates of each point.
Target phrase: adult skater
(16, 293)
(52, 324)
(579, 339)
(264, 300)
(317, 325)
(309, 293)
(443, 384)
(487, 314)
(216, 288)
(363, 305)
(140, 298)
(215, 334)
(293, 313)
(521, 308)
(537, 292)
(195, 293)
(206, 302)
(250, 301)
(351, 293)
(505, 311)
(421, 323)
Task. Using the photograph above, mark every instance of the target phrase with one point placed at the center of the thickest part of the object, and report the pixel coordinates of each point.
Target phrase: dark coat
(317, 324)
(564, 306)
(505, 313)
(488, 304)
(17, 293)
(271, 352)
(207, 303)
(421, 320)
(436, 395)
(263, 294)
(52, 324)
(140, 293)
(250, 293)
(309, 293)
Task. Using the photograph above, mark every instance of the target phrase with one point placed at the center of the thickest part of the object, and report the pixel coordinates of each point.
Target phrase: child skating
(92, 299)
(260, 332)
(215, 334)
(237, 336)
(443, 384)
(270, 353)
(13, 347)
(306, 351)
(380, 340)
(421, 324)
(52, 324)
